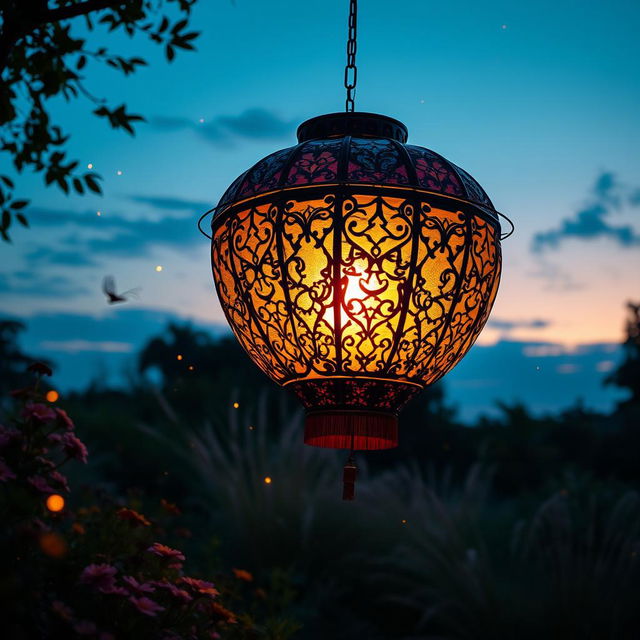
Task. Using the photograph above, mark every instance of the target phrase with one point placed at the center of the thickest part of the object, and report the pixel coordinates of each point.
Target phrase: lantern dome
(359, 148)
(355, 270)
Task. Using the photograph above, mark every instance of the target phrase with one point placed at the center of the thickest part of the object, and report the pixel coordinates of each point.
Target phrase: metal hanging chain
(351, 71)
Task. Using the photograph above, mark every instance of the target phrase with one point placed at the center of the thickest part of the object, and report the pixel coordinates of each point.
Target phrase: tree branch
(82, 9)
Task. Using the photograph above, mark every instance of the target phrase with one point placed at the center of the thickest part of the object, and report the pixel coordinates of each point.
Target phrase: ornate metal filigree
(358, 273)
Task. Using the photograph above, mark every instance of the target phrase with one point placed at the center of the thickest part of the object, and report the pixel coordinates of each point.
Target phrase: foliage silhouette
(520, 527)
(42, 57)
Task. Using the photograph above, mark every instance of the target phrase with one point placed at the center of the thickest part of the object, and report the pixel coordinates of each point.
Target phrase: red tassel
(359, 430)
(349, 479)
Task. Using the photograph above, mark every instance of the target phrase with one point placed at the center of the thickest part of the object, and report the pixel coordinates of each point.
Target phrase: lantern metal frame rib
(355, 270)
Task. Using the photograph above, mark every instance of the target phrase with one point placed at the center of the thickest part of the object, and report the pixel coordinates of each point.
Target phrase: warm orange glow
(55, 503)
(236, 405)
(267, 480)
(179, 357)
(403, 304)
(404, 522)
(52, 395)
(53, 544)
(191, 367)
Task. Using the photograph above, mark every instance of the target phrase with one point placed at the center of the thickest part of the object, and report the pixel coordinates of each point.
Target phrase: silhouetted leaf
(92, 183)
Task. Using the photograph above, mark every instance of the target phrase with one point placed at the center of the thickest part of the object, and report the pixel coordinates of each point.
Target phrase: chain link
(351, 71)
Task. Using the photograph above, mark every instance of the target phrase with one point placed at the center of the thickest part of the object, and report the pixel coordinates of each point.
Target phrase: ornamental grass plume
(297, 519)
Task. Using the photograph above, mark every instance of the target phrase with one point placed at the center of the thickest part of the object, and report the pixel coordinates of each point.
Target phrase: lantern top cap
(357, 124)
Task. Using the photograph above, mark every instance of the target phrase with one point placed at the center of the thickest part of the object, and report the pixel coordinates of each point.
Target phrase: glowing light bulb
(90, 166)
(267, 480)
(236, 405)
(159, 268)
(118, 172)
(52, 395)
(55, 503)
(191, 367)
(404, 522)
(179, 356)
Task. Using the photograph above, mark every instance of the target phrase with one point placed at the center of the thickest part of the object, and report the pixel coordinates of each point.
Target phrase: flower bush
(100, 570)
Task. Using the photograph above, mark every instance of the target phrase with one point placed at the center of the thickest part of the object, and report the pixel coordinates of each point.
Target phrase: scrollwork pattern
(350, 286)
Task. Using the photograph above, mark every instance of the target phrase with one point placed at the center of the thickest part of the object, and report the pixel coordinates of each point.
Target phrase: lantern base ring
(355, 430)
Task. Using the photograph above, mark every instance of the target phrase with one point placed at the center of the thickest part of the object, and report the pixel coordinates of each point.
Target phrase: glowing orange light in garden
(52, 395)
(267, 480)
(55, 503)
(355, 270)
(53, 544)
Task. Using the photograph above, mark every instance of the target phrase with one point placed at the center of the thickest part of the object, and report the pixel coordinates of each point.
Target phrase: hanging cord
(351, 71)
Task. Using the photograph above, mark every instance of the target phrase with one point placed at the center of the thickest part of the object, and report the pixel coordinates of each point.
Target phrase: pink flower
(176, 592)
(64, 418)
(45, 462)
(61, 609)
(7, 436)
(138, 587)
(39, 483)
(38, 412)
(146, 606)
(5, 472)
(133, 517)
(200, 586)
(84, 628)
(56, 476)
(74, 447)
(175, 557)
(100, 576)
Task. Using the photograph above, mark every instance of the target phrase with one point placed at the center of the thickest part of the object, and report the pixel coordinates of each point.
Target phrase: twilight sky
(538, 101)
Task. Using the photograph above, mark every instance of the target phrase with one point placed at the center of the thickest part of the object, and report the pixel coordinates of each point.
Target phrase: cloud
(592, 220)
(512, 325)
(26, 283)
(138, 237)
(166, 203)
(123, 237)
(224, 131)
(77, 345)
(64, 257)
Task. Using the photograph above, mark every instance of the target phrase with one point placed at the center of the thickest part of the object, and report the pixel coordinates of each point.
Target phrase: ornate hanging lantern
(355, 269)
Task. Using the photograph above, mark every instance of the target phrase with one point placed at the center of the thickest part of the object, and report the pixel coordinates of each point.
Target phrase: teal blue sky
(539, 101)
